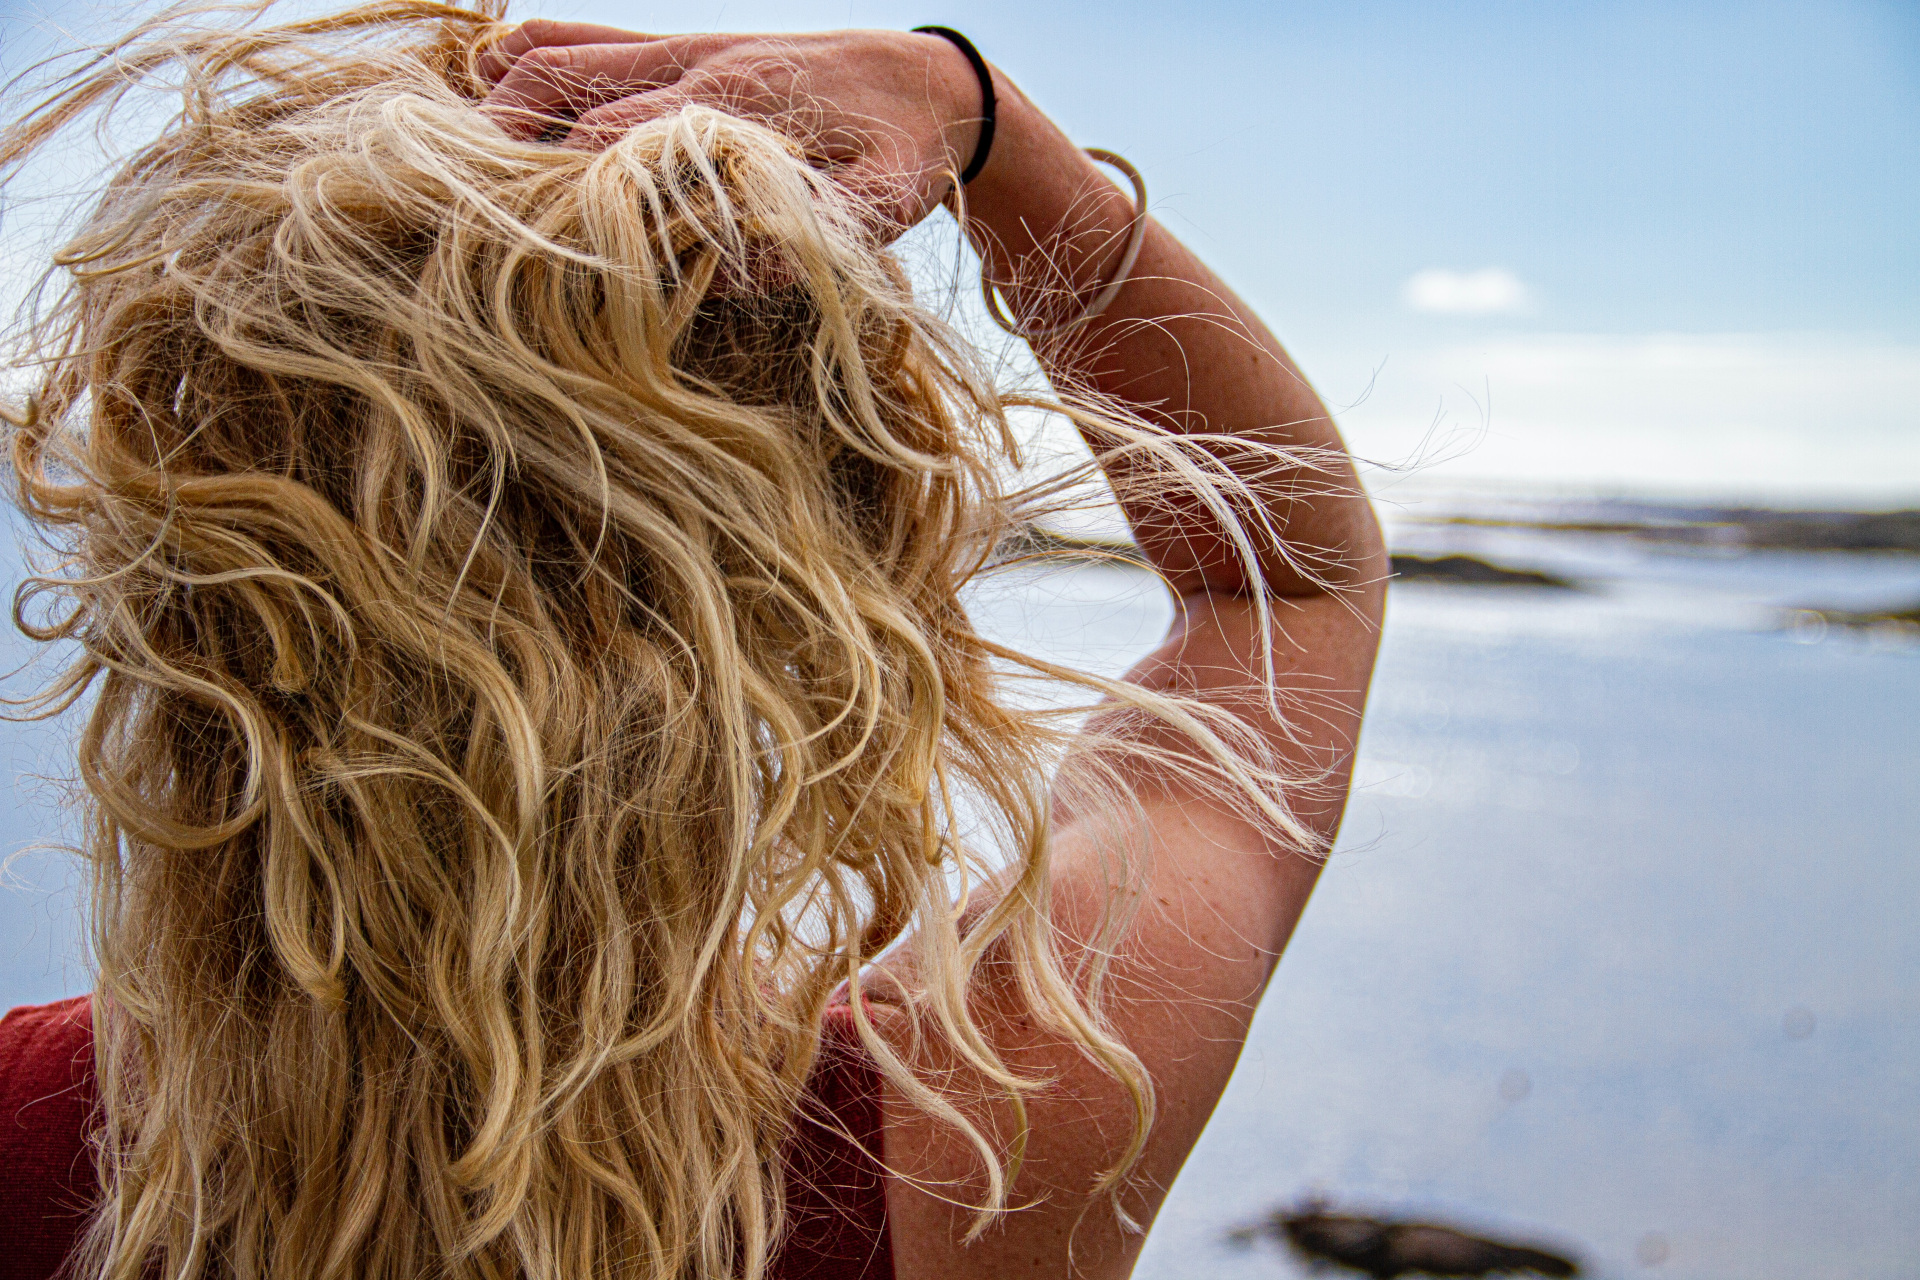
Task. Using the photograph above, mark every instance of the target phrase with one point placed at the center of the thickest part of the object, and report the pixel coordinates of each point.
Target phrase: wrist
(958, 98)
(1040, 192)
(1028, 149)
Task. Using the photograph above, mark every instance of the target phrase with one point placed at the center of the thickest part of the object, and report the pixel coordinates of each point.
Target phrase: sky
(1616, 246)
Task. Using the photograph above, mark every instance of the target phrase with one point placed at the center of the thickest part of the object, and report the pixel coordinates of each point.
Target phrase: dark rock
(1384, 1247)
(1826, 530)
(1865, 618)
(1474, 572)
(1724, 528)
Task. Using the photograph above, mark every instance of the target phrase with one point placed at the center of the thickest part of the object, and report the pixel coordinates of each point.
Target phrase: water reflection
(1618, 939)
(1618, 943)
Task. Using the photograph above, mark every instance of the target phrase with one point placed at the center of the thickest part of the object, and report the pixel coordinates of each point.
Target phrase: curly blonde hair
(519, 596)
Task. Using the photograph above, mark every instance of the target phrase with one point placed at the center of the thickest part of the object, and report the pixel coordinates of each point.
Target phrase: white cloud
(1771, 417)
(1489, 291)
(1766, 415)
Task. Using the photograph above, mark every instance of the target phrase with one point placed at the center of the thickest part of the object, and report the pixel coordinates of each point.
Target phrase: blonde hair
(518, 591)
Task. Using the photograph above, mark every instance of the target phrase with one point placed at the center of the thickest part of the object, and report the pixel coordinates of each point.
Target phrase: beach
(1617, 947)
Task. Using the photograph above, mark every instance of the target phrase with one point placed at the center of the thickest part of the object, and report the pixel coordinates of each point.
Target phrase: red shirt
(836, 1196)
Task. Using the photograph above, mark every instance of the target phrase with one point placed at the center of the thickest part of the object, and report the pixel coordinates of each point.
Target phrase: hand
(890, 115)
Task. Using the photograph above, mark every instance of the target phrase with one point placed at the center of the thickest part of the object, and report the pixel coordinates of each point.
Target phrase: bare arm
(1220, 894)
(1177, 345)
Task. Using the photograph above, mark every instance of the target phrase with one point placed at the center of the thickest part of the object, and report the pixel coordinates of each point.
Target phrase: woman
(513, 515)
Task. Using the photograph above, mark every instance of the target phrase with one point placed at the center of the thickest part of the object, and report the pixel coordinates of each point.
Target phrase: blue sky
(1692, 231)
(1704, 216)
(1643, 167)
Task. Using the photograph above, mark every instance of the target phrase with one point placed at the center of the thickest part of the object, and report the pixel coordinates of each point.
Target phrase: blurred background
(1622, 302)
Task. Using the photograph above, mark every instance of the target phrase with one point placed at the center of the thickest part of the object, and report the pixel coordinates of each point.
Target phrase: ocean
(1619, 949)
(1620, 946)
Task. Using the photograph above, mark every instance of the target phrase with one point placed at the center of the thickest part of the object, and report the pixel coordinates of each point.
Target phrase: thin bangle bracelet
(1135, 238)
(989, 107)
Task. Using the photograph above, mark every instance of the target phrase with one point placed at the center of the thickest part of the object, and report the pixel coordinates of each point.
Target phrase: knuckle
(557, 65)
(706, 45)
(553, 55)
(598, 119)
(610, 120)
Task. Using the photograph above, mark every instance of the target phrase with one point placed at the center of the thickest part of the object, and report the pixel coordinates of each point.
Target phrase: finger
(560, 82)
(738, 94)
(601, 127)
(538, 33)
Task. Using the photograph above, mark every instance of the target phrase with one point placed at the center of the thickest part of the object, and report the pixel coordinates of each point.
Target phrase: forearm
(1178, 347)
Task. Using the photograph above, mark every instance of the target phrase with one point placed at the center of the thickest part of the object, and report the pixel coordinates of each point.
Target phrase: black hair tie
(984, 146)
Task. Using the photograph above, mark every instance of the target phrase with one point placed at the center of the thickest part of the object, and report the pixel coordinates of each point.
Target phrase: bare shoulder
(1213, 897)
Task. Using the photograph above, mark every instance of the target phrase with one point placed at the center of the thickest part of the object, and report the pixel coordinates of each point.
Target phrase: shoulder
(46, 1066)
(43, 1043)
(46, 1105)
(46, 1079)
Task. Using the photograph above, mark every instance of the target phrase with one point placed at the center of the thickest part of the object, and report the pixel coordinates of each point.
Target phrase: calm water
(1619, 947)
(1620, 944)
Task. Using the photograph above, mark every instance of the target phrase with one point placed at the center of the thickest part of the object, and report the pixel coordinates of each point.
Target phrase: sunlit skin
(894, 116)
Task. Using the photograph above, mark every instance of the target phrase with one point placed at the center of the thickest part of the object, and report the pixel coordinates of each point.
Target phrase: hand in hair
(1273, 553)
(892, 115)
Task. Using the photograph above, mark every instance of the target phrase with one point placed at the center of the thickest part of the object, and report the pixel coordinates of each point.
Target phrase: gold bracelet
(1135, 238)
